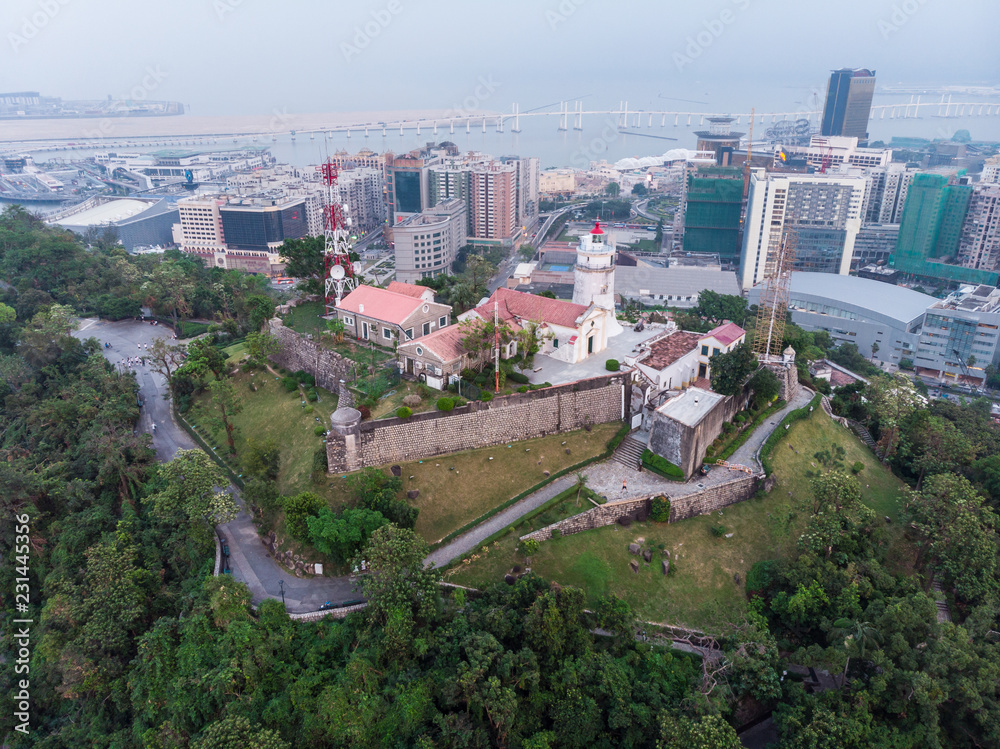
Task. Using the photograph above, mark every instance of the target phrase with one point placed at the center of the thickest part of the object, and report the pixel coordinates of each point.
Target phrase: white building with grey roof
(859, 311)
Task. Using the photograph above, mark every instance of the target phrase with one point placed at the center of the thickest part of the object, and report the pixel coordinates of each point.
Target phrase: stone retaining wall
(510, 418)
(298, 352)
(710, 499)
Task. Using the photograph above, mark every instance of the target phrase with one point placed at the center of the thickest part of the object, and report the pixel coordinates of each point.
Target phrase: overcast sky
(259, 56)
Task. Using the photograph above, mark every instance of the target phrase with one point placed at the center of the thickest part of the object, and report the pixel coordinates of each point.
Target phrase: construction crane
(827, 161)
(965, 369)
(338, 270)
(772, 311)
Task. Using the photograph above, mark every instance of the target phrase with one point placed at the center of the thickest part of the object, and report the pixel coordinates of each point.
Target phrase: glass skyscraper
(849, 103)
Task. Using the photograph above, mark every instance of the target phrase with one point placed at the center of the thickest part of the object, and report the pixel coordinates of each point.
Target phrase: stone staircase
(629, 452)
(943, 612)
(864, 435)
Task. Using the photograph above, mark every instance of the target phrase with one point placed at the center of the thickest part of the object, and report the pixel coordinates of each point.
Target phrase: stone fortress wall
(681, 508)
(298, 352)
(509, 418)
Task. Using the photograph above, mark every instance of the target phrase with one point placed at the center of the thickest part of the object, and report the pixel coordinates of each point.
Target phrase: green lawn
(449, 499)
(305, 318)
(645, 245)
(234, 353)
(701, 590)
(272, 412)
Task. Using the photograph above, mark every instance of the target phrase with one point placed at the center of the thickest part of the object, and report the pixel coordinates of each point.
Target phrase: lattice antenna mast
(338, 270)
(772, 311)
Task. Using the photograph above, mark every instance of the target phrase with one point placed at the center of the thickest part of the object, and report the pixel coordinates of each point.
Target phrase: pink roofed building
(568, 332)
(719, 340)
(413, 290)
(387, 317)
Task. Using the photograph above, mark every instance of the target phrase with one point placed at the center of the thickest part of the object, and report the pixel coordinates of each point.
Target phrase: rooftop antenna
(338, 270)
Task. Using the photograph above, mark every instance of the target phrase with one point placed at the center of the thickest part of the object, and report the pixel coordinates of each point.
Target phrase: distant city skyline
(237, 57)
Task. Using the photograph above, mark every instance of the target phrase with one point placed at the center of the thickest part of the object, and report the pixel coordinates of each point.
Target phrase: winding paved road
(250, 561)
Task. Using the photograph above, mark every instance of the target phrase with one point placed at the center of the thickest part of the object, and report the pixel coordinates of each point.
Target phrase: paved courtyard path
(605, 478)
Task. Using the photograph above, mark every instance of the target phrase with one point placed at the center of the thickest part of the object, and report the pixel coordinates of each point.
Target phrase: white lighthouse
(594, 274)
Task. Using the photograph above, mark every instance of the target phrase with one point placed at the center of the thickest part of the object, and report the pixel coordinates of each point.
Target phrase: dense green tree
(765, 386)
(613, 189)
(958, 535)
(342, 535)
(261, 458)
(228, 404)
(238, 733)
(398, 578)
(304, 260)
(707, 732)
(298, 509)
(715, 306)
(732, 368)
(375, 490)
(892, 399)
(190, 493)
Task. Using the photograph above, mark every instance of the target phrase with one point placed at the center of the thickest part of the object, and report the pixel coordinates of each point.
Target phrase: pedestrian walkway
(475, 537)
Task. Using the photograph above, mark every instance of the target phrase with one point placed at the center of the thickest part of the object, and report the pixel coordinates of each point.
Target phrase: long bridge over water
(565, 117)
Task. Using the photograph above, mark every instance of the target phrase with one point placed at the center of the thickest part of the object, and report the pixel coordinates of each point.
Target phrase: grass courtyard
(272, 413)
(702, 590)
(449, 499)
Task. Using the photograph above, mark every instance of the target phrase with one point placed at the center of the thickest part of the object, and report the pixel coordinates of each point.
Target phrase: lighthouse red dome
(597, 228)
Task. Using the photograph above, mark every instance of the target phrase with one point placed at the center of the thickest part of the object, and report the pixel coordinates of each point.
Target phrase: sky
(235, 57)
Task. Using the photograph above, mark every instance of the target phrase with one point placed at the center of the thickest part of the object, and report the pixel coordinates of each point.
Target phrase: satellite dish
(337, 272)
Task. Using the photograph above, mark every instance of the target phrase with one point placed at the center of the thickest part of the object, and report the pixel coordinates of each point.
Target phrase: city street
(250, 560)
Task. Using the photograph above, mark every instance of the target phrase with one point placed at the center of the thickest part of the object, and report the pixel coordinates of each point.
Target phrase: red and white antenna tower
(338, 270)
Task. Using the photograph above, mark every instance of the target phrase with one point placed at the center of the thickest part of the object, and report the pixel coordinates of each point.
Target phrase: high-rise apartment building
(824, 211)
(991, 171)
(885, 195)
(407, 187)
(979, 244)
(255, 229)
(528, 176)
(833, 152)
(493, 203)
(713, 199)
(363, 159)
(875, 243)
(849, 103)
(427, 243)
(362, 191)
(200, 229)
(931, 226)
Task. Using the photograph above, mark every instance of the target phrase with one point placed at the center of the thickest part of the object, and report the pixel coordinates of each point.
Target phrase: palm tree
(861, 635)
(581, 481)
